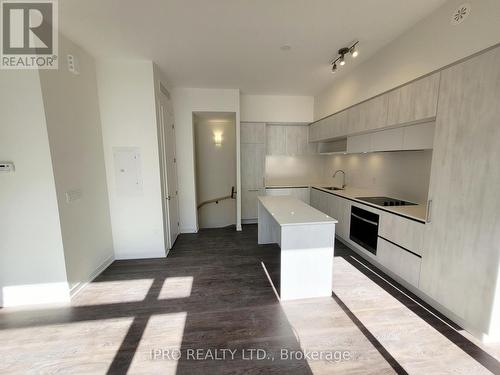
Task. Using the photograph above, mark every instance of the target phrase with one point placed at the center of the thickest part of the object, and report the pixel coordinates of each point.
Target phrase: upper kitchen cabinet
(276, 139)
(253, 132)
(416, 101)
(334, 126)
(289, 140)
(460, 257)
(314, 132)
(296, 140)
(369, 115)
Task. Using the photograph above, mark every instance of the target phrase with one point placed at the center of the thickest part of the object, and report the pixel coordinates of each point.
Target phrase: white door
(168, 168)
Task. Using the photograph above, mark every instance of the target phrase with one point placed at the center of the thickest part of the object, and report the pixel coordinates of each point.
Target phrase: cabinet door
(313, 132)
(276, 139)
(399, 261)
(278, 192)
(387, 140)
(418, 137)
(415, 101)
(249, 202)
(345, 223)
(358, 143)
(369, 115)
(404, 232)
(460, 259)
(301, 193)
(253, 132)
(253, 160)
(319, 200)
(296, 140)
(329, 127)
(340, 125)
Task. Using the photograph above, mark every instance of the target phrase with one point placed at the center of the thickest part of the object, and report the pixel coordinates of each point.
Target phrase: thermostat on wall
(6, 166)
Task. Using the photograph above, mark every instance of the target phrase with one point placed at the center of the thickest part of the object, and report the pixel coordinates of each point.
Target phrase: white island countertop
(287, 210)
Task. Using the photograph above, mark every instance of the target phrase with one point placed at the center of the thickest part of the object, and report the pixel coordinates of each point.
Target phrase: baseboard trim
(189, 230)
(152, 255)
(249, 221)
(82, 284)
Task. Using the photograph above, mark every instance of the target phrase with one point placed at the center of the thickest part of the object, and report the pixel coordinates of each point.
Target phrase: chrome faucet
(343, 180)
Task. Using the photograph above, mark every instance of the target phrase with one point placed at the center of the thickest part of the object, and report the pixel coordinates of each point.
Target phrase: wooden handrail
(217, 200)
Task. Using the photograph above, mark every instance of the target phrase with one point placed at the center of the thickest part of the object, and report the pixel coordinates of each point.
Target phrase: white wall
(277, 108)
(32, 267)
(186, 101)
(403, 175)
(127, 102)
(74, 129)
(431, 44)
(215, 170)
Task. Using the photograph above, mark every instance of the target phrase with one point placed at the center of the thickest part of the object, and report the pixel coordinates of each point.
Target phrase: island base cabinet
(306, 261)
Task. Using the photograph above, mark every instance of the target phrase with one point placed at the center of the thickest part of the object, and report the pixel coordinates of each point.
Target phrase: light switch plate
(73, 195)
(6, 166)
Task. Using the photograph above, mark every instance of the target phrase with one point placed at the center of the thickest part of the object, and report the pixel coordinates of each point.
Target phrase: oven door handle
(365, 220)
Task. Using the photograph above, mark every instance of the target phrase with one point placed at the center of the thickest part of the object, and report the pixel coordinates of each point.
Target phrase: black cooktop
(385, 201)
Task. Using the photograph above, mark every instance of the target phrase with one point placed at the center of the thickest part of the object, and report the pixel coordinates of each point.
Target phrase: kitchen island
(306, 239)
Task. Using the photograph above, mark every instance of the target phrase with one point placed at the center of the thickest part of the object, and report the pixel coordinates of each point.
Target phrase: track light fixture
(342, 53)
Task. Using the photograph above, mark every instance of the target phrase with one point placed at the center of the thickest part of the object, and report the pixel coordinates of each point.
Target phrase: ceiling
(236, 43)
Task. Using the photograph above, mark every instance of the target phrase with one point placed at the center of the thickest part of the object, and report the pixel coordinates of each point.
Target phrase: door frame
(164, 180)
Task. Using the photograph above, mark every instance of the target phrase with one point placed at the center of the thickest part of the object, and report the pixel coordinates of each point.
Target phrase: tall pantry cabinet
(460, 261)
(253, 160)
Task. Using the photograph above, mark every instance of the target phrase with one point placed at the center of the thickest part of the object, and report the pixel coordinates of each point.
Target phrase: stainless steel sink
(331, 188)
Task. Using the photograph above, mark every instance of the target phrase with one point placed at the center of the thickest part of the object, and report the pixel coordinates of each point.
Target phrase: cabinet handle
(429, 207)
(253, 189)
(365, 220)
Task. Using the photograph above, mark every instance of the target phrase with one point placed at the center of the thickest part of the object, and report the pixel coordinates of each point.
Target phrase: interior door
(168, 167)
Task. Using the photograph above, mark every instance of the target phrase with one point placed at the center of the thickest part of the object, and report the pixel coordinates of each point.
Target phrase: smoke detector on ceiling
(460, 14)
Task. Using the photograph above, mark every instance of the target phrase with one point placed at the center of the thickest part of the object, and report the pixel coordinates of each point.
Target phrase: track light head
(354, 51)
(343, 51)
(342, 61)
(334, 68)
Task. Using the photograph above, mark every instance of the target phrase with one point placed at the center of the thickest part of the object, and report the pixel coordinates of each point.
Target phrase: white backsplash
(402, 174)
(290, 170)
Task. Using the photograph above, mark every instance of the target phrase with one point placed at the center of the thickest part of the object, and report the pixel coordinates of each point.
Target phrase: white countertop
(417, 212)
(287, 210)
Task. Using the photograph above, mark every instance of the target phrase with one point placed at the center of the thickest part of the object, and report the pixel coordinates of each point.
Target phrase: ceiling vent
(460, 14)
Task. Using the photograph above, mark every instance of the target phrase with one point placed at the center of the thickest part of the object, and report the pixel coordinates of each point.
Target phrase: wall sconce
(218, 138)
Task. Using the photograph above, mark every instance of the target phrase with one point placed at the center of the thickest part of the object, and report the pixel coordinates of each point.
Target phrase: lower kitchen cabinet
(399, 261)
(301, 193)
(400, 250)
(319, 200)
(406, 233)
(249, 202)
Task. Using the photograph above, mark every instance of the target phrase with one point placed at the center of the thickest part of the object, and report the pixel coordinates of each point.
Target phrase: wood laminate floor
(209, 308)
